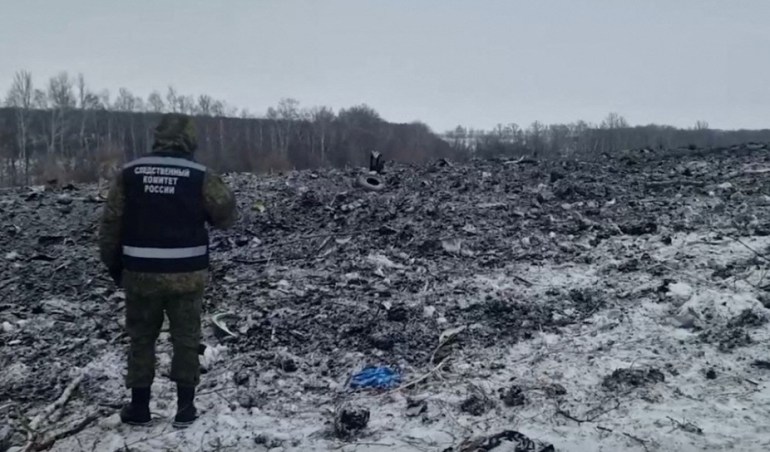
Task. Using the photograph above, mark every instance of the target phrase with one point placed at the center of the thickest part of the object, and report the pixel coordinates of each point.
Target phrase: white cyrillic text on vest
(160, 180)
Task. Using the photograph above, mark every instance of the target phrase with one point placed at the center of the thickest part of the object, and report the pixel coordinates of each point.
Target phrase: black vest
(164, 220)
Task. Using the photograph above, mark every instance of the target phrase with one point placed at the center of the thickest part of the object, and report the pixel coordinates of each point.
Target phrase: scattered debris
(399, 313)
(687, 426)
(241, 377)
(375, 377)
(218, 321)
(748, 318)
(510, 440)
(555, 390)
(416, 407)
(287, 364)
(268, 441)
(323, 277)
(249, 399)
(727, 338)
(591, 415)
(446, 340)
(513, 396)
(350, 420)
(632, 378)
(639, 228)
(477, 403)
(371, 182)
(376, 162)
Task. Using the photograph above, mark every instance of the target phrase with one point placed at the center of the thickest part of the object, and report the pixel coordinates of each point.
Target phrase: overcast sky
(444, 62)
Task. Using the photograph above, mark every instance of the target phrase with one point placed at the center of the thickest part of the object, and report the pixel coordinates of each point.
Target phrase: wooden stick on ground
(758, 254)
(637, 439)
(566, 414)
(526, 282)
(73, 430)
(417, 380)
(59, 403)
(34, 425)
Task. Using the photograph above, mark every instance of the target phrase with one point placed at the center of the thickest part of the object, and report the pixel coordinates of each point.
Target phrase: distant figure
(376, 163)
(154, 242)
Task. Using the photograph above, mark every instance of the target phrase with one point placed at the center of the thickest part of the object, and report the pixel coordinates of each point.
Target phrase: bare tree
(322, 119)
(40, 101)
(21, 97)
(246, 114)
(87, 103)
(535, 137)
(172, 100)
(283, 117)
(360, 125)
(218, 108)
(62, 97)
(701, 125)
(82, 91)
(703, 134)
(186, 105)
(288, 109)
(558, 139)
(126, 102)
(614, 121)
(139, 105)
(204, 105)
(360, 116)
(614, 137)
(155, 102)
(104, 99)
(60, 91)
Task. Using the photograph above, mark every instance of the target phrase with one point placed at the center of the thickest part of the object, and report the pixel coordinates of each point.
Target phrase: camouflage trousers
(148, 298)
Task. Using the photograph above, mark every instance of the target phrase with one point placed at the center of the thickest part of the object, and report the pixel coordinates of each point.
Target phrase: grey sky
(444, 62)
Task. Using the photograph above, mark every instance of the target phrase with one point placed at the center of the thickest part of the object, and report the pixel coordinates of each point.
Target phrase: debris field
(611, 304)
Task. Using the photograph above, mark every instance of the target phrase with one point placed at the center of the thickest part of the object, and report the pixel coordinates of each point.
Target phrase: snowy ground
(597, 306)
(709, 400)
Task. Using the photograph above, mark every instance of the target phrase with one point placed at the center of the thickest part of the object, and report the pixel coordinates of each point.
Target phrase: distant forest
(581, 139)
(67, 131)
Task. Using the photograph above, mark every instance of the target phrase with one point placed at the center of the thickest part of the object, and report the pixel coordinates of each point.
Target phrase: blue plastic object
(377, 377)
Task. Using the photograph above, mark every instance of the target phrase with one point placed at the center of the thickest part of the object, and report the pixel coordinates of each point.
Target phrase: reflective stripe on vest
(174, 161)
(165, 253)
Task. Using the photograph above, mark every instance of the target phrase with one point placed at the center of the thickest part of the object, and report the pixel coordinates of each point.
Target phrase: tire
(371, 182)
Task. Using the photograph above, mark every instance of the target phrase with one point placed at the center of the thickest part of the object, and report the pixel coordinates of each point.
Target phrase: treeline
(582, 139)
(66, 131)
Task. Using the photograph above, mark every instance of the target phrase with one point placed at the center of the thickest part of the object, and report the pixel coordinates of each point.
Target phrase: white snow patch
(680, 290)
(17, 372)
(725, 186)
(381, 260)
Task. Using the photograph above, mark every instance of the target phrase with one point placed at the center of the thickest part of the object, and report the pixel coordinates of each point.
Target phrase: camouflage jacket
(219, 203)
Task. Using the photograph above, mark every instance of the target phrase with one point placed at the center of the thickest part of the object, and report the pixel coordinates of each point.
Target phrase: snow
(635, 328)
(680, 290)
(381, 260)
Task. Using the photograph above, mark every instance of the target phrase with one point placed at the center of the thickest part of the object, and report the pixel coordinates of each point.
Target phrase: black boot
(138, 411)
(185, 412)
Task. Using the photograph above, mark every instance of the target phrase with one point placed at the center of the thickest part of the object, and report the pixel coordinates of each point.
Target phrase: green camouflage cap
(176, 131)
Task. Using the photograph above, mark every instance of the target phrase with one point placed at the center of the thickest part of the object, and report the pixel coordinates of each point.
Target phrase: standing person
(154, 242)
